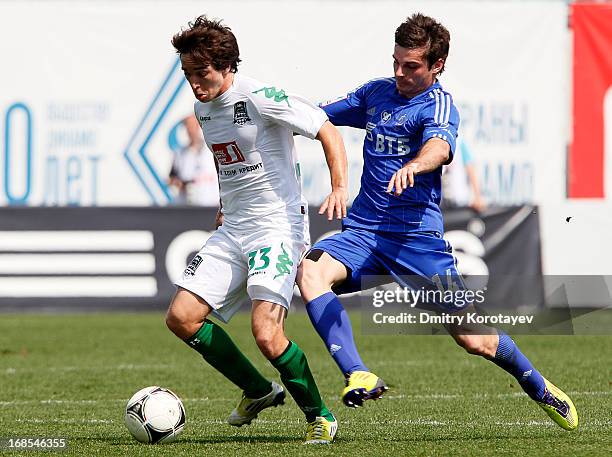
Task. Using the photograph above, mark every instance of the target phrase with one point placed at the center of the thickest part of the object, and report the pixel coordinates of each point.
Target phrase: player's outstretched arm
(335, 155)
(434, 153)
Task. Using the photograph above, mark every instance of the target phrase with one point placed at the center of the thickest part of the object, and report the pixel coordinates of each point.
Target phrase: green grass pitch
(71, 375)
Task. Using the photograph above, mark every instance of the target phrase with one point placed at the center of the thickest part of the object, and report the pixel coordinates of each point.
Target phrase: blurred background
(107, 189)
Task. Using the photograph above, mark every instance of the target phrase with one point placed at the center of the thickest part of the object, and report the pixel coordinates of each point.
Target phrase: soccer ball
(154, 415)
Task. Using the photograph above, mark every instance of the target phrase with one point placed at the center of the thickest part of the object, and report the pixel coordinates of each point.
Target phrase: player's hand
(218, 219)
(335, 203)
(478, 204)
(403, 178)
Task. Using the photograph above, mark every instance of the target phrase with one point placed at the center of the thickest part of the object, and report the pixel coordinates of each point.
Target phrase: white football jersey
(249, 128)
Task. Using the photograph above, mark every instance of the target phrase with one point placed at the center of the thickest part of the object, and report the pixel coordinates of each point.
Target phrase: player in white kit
(254, 254)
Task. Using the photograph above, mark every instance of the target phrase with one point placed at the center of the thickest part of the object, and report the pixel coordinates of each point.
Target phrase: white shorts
(236, 268)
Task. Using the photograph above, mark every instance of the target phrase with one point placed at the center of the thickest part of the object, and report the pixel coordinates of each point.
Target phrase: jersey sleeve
(294, 112)
(440, 119)
(349, 110)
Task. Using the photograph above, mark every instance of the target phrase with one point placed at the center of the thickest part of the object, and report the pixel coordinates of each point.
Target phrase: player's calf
(482, 345)
(503, 351)
(317, 274)
(500, 349)
(186, 318)
(287, 357)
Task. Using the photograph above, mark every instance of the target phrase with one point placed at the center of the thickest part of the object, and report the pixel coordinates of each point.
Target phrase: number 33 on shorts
(259, 261)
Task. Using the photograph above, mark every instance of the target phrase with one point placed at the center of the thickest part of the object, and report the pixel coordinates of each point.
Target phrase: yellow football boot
(362, 386)
(559, 406)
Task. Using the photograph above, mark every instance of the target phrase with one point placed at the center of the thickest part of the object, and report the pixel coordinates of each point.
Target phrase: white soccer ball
(155, 415)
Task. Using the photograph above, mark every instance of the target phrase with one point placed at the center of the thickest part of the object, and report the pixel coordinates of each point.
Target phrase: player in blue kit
(395, 225)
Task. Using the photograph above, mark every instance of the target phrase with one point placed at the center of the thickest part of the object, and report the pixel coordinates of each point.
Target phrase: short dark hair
(210, 41)
(420, 31)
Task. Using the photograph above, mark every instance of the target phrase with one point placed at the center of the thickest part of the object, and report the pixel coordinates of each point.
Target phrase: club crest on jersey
(385, 116)
(193, 266)
(227, 153)
(241, 116)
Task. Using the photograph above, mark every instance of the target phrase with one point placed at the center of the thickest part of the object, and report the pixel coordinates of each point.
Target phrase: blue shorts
(414, 260)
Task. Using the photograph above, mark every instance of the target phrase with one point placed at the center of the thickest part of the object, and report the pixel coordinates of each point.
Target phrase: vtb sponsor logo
(386, 143)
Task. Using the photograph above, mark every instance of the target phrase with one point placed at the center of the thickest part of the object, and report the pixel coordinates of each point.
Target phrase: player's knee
(264, 343)
(184, 315)
(311, 276)
(178, 322)
(173, 322)
(270, 341)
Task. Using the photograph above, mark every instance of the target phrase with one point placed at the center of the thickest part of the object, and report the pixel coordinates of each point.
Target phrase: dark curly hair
(423, 31)
(210, 41)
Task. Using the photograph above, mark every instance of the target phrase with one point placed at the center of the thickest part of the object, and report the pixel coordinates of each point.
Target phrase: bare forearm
(473, 179)
(335, 155)
(434, 153)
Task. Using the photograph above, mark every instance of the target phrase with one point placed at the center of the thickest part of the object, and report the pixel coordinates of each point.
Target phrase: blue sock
(333, 325)
(511, 359)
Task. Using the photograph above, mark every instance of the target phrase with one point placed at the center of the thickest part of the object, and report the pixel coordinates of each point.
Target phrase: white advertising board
(93, 95)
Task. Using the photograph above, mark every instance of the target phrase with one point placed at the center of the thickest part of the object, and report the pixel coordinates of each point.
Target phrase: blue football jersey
(396, 129)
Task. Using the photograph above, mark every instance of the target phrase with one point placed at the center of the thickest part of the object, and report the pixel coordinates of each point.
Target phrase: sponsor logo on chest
(387, 143)
(391, 144)
(227, 153)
